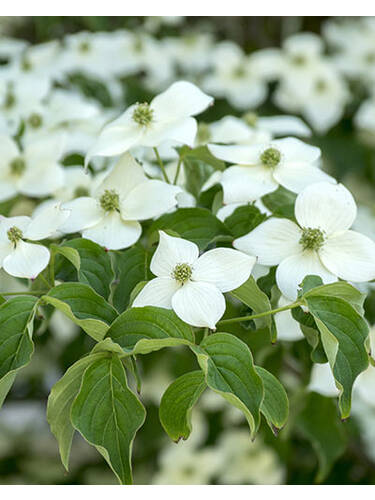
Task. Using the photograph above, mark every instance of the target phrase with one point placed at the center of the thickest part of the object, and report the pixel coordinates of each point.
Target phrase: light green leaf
(229, 370)
(195, 224)
(244, 219)
(251, 295)
(16, 345)
(108, 414)
(275, 405)
(95, 266)
(141, 330)
(70, 254)
(343, 333)
(60, 403)
(280, 202)
(203, 154)
(83, 306)
(319, 423)
(177, 403)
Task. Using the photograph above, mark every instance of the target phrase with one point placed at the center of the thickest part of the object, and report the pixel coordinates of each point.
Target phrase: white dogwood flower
(260, 168)
(190, 284)
(169, 116)
(35, 171)
(110, 217)
(20, 258)
(321, 243)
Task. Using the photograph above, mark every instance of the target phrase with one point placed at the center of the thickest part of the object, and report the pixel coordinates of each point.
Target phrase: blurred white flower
(193, 286)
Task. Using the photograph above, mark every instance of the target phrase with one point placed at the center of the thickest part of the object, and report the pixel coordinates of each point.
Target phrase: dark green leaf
(280, 202)
(244, 219)
(275, 405)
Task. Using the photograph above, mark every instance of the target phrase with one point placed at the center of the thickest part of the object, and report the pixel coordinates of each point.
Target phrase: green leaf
(275, 405)
(203, 154)
(311, 333)
(195, 224)
(244, 219)
(70, 254)
(280, 202)
(131, 268)
(141, 330)
(229, 370)
(16, 345)
(251, 295)
(343, 333)
(177, 403)
(95, 266)
(108, 414)
(60, 403)
(83, 306)
(319, 423)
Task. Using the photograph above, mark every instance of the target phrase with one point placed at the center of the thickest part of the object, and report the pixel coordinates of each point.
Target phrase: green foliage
(108, 414)
(280, 202)
(177, 403)
(244, 219)
(275, 405)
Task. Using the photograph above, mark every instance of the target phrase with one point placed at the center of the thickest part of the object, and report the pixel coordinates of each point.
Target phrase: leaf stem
(297, 303)
(177, 170)
(161, 165)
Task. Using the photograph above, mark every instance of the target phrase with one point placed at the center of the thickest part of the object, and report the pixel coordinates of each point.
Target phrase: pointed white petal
(84, 213)
(243, 155)
(365, 385)
(322, 381)
(149, 199)
(21, 222)
(245, 184)
(7, 189)
(294, 150)
(8, 150)
(170, 252)
(225, 268)
(46, 150)
(284, 125)
(182, 131)
(114, 233)
(47, 222)
(292, 270)
(350, 256)
(199, 304)
(271, 242)
(6, 247)
(287, 327)
(180, 100)
(41, 179)
(27, 260)
(157, 292)
(297, 176)
(330, 207)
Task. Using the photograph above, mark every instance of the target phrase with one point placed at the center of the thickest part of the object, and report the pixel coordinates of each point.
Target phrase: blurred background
(219, 450)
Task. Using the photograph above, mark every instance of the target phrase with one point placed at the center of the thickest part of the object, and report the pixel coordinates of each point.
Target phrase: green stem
(177, 171)
(161, 165)
(37, 292)
(260, 315)
(44, 279)
(52, 268)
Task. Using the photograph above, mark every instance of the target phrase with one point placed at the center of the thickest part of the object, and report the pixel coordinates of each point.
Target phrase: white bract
(260, 168)
(20, 258)
(35, 171)
(321, 243)
(169, 116)
(190, 284)
(110, 217)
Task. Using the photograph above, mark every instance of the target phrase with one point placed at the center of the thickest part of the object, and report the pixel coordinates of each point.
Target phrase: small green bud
(270, 157)
(143, 114)
(14, 235)
(109, 201)
(35, 120)
(311, 239)
(182, 273)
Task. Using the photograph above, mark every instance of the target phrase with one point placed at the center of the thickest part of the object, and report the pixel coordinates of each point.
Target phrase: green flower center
(321, 86)
(14, 235)
(109, 201)
(370, 57)
(17, 166)
(26, 65)
(182, 273)
(35, 120)
(143, 114)
(84, 47)
(81, 191)
(270, 157)
(250, 118)
(239, 72)
(138, 45)
(204, 133)
(311, 239)
(10, 100)
(298, 59)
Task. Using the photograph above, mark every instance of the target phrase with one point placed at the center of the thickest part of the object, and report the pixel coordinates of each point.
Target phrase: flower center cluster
(299, 59)
(239, 72)
(10, 100)
(109, 201)
(270, 157)
(81, 191)
(251, 118)
(14, 235)
(26, 65)
(321, 85)
(35, 120)
(17, 166)
(182, 273)
(311, 239)
(143, 114)
(84, 47)
(370, 57)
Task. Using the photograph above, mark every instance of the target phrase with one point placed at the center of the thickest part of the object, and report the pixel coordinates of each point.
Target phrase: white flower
(260, 168)
(169, 116)
(321, 242)
(287, 328)
(193, 286)
(35, 171)
(110, 217)
(322, 381)
(20, 258)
